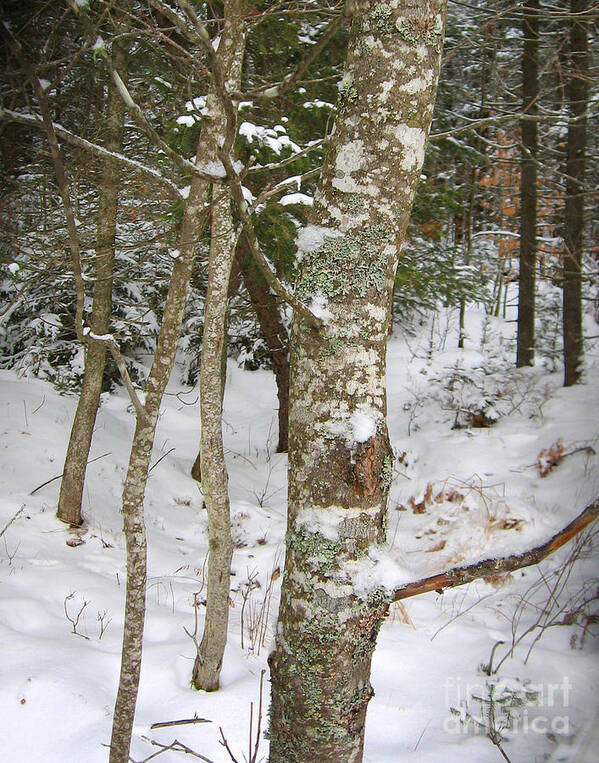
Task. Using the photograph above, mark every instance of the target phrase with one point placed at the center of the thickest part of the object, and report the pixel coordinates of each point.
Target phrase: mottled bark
(274, 334)
(528, 186)
(139, 463)
(577, 89)
(71, 488)
(208, 662)
(340, 458)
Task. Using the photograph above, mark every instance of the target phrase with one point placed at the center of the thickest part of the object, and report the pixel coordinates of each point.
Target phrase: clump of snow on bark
(359, 427)
(310, 238)
(364, 422)
(323, 521)
(320, 307)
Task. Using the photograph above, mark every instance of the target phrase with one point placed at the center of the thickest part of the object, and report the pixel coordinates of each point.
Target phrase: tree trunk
(71, 487)
(209, 657)
(528, 187)
(574, 210)
(274, 333)
(340, 458)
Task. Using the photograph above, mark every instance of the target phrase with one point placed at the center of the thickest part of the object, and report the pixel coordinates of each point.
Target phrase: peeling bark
(340, 458)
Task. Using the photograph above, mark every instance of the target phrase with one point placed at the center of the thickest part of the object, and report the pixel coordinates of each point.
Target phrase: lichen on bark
(339, 473)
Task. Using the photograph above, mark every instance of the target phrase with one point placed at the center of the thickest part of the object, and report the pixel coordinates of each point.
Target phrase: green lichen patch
(315, 546)
(350, 264)
(355, 204)
(348, 92)
(381, 18)
(387, 472)
(416, 31)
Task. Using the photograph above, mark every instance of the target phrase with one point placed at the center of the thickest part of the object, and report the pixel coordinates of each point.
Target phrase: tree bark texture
(528, 186)
(340, 459)
(71, 487)
(139, 464)
(209, 657)
(574, 208)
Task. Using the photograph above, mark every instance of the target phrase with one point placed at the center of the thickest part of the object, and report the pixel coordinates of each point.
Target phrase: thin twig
(10, 521)
(168, 452)
(58, 476)
(183, 722)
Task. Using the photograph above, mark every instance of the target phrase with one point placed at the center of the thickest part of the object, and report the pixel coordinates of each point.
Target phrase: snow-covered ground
(458, 494)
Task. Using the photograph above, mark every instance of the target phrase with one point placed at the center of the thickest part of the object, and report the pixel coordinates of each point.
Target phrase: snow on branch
(34, 120)
(458, 576)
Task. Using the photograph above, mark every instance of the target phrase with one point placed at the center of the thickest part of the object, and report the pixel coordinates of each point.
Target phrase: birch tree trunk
(340, 459)
(71, 487)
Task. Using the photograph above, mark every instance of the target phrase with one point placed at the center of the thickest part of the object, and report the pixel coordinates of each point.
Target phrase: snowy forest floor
(458, 495)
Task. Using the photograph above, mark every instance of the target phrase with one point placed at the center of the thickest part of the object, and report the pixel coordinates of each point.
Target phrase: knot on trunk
(368, 465)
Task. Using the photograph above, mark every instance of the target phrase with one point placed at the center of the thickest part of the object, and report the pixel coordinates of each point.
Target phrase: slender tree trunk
(141, 449)
(574, 210)
(139, 463)
(274, 333)
(71, 488)
(209, 657)
(339, 453)
(528, 187)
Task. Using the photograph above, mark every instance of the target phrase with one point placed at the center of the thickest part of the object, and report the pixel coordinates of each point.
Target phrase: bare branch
(117, 356)
(183, 722)
(487, 567)
(33, 120)
(275, 284)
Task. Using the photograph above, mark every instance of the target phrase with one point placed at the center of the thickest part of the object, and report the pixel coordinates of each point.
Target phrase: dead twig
(168, 452)
(12, 519)
(183, 722)
(58, 476)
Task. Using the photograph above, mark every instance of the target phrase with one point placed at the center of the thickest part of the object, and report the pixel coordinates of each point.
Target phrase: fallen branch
(183, 722)
(458, 576)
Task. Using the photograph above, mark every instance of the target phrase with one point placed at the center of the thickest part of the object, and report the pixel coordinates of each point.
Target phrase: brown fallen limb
(183, 722)
(58, 476)
(487, 567)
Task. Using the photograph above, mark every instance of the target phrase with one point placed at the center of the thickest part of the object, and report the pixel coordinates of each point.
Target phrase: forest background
(104, 207)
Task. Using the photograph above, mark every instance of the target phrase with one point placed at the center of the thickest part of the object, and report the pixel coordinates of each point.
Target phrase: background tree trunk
(528, 187)
(274, 333)
(574, 210)
(340, 458)
(71, 487)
